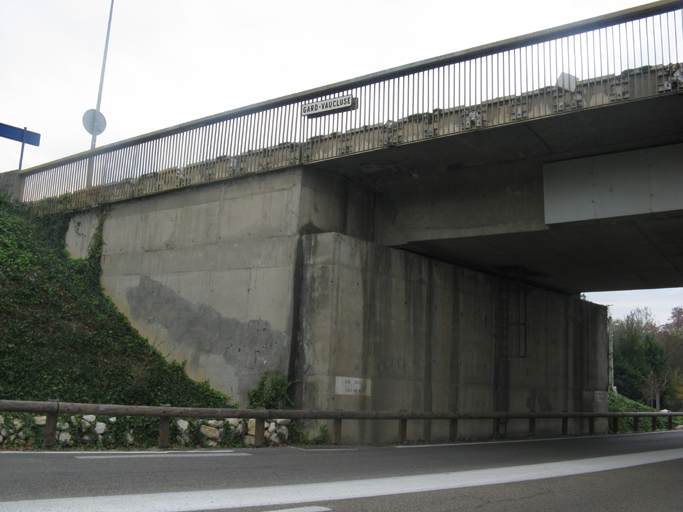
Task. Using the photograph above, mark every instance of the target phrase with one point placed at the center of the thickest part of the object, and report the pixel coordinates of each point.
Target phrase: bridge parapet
(628, 55)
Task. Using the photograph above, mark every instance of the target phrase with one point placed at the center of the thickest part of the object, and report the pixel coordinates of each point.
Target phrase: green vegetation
(271, 395)
(648, 359)
(61, 337)
(274, 394)
(619, 403)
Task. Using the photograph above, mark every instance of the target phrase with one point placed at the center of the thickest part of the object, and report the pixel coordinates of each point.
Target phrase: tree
(670, 337)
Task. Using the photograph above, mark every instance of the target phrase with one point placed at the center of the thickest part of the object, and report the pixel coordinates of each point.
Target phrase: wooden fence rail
(53, 408)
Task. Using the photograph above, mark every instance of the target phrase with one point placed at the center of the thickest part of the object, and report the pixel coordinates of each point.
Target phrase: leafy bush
(620, 403)
(271, 395)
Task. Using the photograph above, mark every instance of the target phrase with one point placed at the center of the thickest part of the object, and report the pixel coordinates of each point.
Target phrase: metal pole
(23, 144)
(104, 65)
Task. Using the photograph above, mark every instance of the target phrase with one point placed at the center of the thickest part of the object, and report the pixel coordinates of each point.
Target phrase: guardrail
(53, 408)
(632, 54)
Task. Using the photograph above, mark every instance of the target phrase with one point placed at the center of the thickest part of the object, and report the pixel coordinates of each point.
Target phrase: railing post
(591, 426)
(336, 430)
(259, 437)
(532, 426)
(615, 425)
(654, 423)
(670, 423)
(402, 427)
(164, 429)
(636, 421)
(453, 434)
(49, 435)
(496, 428)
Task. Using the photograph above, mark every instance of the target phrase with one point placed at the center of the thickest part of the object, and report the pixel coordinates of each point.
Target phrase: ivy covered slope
(61, 337)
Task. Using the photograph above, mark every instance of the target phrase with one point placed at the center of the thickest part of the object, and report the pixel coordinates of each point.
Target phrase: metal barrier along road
(628, 55)
(53, 408)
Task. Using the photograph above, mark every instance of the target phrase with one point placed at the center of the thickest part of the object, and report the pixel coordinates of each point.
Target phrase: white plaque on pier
(352, 386)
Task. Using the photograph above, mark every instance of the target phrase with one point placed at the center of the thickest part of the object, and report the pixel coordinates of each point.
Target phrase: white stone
(283, 421)
(234, 422)
(283, 432)
(40, 420)
(73, 420)
(251, 427)
(100, 428)
(112, 419)
(211, 444)
(129, 438)
(17, 424)
(21, 435)
(2, 420)
(89, 418)
(248, 440)
(3, 432)
(85, 425)
(215, 423)
(86, 439)
(2, 438)
(266, 434)
(679, 427)
(12, 437)
(64, 437)
(182, 425)
(274, 438)
(210, 432)
(63, 426)
(272, 427)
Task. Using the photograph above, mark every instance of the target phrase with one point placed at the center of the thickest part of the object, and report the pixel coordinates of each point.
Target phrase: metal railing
(53, 408)
(628, 55)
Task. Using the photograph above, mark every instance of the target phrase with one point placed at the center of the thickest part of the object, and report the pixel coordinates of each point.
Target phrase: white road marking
(302, 509)
(91, 452)
(166, 454)
(325, 449)
(535, 440)
(329, 491)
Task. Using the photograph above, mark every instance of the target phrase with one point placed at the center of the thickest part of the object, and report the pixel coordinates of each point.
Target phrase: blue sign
(19, 134)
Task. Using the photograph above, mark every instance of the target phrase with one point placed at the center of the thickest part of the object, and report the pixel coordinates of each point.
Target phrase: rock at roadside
(210, 432)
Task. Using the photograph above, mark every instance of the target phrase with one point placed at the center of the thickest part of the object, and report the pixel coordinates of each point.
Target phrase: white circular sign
(94, 122)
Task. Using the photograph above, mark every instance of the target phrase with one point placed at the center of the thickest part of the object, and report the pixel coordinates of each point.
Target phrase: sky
(172, 61)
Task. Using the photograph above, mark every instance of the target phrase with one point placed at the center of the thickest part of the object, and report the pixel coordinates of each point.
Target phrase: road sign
(94, 122)
(19, 134)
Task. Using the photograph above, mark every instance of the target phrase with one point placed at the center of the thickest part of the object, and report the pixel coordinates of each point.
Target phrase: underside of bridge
(480, 199)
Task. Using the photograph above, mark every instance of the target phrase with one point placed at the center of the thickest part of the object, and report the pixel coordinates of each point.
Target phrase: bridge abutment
(280, 272)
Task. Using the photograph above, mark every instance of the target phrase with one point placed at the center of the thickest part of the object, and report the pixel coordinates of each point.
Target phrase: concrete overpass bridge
(412, 239)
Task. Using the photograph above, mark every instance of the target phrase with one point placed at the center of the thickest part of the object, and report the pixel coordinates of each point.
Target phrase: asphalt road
(627, 472)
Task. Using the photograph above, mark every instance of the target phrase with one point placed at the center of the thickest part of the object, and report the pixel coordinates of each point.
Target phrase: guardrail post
(402, 428)
(49, 435)
(670, 423)
(565, 425)
(636, 421)
(336, 430)
(164, 429)
(453, 434)
(496, 428)
(615, 425)
(259, 438)
(532, 426)
(654, 423)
